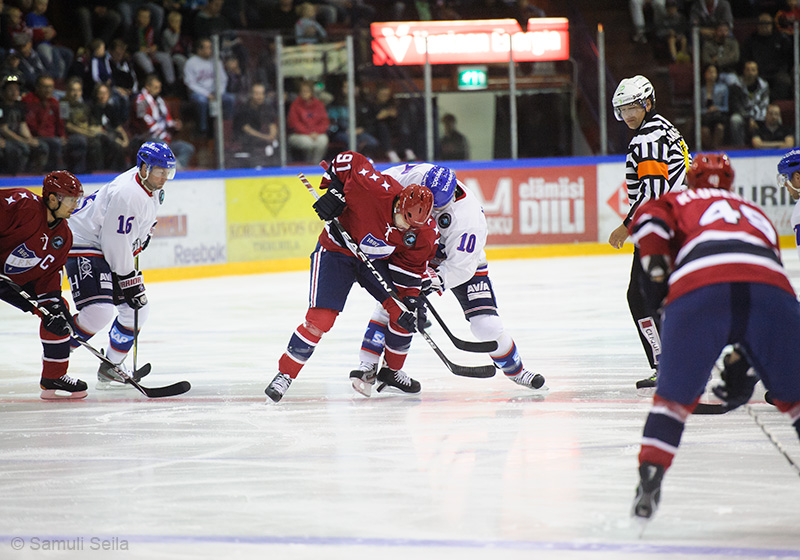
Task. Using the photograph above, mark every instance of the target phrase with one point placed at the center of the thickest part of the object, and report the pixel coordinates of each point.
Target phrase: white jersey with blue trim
(796, 224)
(117, 220)
(462, 227)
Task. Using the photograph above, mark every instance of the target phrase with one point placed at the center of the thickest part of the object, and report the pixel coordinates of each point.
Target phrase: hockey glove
(405, 319)
(132, 288)
(331, 204)
(417, 306)
(738, 382)
(432, 282)
(59, 319)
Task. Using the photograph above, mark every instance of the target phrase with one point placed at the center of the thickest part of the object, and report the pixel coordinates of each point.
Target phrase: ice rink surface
(470, 468)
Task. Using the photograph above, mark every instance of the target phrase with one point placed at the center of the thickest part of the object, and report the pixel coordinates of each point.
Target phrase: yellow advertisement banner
(270, 218)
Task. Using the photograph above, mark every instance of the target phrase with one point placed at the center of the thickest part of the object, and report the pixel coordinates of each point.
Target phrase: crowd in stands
(85, 96)
(746, 57)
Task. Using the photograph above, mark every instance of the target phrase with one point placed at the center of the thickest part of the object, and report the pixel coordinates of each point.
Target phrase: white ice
(471, 468)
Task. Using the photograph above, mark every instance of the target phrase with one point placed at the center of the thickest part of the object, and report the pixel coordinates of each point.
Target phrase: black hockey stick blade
(481, 372)
(709, 408)
(175, 389)
(466, 345)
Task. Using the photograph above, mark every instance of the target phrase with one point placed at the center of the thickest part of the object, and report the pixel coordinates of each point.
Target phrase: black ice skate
(396, 381)
(62, 388)
(529, 379)
(278, 386)
(363, 378)
(647, 386)
(648, 493)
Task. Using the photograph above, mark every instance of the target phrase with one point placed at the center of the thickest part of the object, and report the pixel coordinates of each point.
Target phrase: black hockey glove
(331, 204)
(132, 288)
(416, 306)
(59, 319)
(738, 382)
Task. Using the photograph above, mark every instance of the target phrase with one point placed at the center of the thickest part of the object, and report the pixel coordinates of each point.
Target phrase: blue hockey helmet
(442, 183)
(788, 164)
(156, 154)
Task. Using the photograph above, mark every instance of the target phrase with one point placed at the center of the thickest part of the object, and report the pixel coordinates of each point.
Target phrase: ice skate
(278, 386)
(62, 388)
(109, 379)
(363, 378)
(647, 387)
(529, 379)
(396, 381)
(648, 493)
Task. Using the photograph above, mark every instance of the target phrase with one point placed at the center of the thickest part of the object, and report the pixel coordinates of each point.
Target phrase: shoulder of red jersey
(11, 197)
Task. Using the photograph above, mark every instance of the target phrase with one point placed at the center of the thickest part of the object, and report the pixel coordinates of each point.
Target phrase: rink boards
(249, 221)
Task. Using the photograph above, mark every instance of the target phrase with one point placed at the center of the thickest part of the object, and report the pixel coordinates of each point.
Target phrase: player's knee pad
(486, 327)
(319, 320)
(92, 318)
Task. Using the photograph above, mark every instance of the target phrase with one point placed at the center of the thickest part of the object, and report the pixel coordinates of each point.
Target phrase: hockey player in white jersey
(460, 266)
(110, 229)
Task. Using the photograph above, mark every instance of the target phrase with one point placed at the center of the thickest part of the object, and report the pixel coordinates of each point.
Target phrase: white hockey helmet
(633, 90)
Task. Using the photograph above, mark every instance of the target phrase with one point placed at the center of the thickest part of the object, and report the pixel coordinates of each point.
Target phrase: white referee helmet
(633, 90)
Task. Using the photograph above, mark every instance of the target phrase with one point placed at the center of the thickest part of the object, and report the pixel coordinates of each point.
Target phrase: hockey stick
(464, 371)
(466, 345)
(153, 393)
(771, 437)
(135, 321)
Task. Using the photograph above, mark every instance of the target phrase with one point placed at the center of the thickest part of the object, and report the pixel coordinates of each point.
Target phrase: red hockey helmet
(61, 184)
(710, 171)
(414, 204)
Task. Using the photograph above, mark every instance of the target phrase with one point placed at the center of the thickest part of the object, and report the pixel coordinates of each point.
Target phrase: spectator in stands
(11, 67)
(281, 17)
(308, 125)
(708, 14)
(307, 30)
(56, 58)
(129, 9)
(144, 49)
(255, 128)
(98, 18)
(750, 97)
(175, 42)
(198, 75)
(390, 129)
(113, 139)
(100, 63)
(722, 51)
(453, 145)
(30, 63)
(238, 81)
(671, 30)
(637, 9)
(210, 21)
(339, 116)
(786, 17)
(772, 133)
(82, 140)
(772, 50)
(22, 148)
(43, 117)
(714, 111)
(154, 122)
(123, 78)
(16, 33)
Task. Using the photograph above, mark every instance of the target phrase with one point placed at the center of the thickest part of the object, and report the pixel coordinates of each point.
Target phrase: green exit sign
(472, 77)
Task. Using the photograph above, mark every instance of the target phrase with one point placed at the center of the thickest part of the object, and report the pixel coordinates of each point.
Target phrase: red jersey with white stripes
(711, 236)
(31, 251)
(368, 218)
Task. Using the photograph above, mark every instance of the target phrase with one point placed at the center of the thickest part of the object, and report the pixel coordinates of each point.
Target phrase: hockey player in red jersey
(34, 242)
(715, 262)
(392, 226)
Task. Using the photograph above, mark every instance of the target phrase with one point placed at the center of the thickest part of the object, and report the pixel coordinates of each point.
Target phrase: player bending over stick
(34, 242)
(714, 261)
(461, 266)
(392, 225)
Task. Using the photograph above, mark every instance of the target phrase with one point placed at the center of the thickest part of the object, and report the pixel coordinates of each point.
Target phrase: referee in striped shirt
(656, 164)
